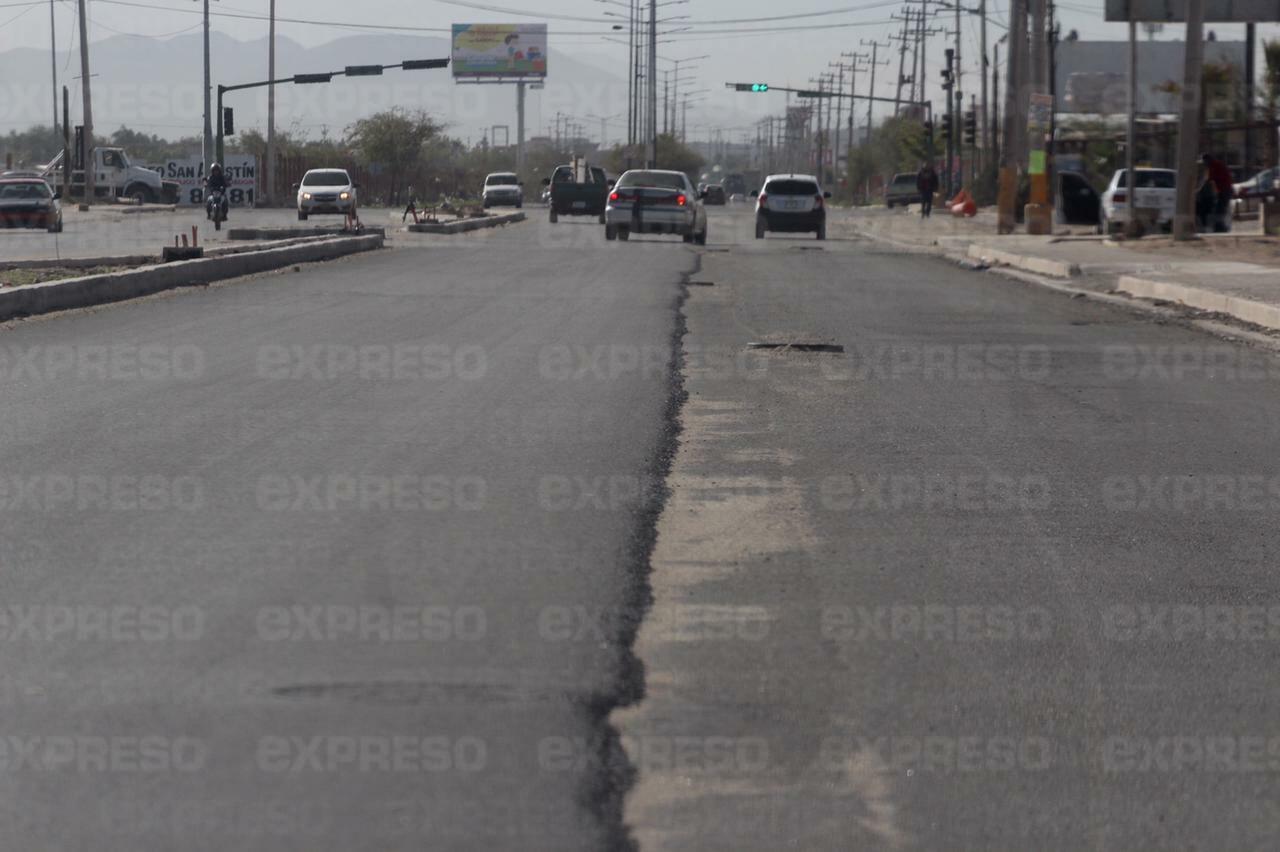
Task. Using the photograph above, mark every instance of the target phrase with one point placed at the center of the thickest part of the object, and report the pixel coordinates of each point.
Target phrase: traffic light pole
(302, 79)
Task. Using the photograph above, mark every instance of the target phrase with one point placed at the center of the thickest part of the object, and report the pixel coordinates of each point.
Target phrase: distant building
(1092, 76)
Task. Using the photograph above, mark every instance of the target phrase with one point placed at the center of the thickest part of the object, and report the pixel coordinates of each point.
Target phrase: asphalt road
(339, 559)
(401, 552)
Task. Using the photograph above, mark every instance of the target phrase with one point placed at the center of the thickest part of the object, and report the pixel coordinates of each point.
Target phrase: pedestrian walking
(927, 186)
(1220, 177)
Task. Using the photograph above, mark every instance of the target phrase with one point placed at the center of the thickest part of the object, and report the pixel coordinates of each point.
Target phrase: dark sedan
(28, 202)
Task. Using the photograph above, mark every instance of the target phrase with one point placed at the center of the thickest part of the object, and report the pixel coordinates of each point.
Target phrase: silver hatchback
(649, 201)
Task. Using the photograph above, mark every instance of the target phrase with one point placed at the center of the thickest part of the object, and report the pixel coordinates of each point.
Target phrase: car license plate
(791, 205)
(578, 205)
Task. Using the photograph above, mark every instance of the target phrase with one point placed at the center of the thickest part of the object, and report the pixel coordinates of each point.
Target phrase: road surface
(441, 548)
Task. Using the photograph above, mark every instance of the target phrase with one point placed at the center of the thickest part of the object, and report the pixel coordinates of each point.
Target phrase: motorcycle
(217, 208)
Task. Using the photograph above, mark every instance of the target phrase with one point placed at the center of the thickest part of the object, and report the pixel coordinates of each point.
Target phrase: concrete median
(463, 225)
(72, 293)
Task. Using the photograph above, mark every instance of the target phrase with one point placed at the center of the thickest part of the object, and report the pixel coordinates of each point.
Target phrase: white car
(326, 191)
(791, 203)
(503, 189)
(650, 201)
(1157, 189)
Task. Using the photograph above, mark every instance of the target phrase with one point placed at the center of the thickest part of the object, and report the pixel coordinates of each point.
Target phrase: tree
(673, 155)
(395, 141)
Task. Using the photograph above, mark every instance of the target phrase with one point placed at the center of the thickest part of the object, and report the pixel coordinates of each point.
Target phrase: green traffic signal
(759, 87)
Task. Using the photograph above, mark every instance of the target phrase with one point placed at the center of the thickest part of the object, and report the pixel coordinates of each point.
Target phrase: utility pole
(53, 63)
(839, 66)
(666, 102)
(89, 151)
(631, 74)
(875, 53)
(653, 82)
(208, 96)
(854, 58)
(902, 59)
(269, 168)
(1010, 149)
(949, 117)
(982, 66)
(1184, 220)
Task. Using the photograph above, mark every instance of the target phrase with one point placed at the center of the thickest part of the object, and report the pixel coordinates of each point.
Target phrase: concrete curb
(72, 293)
(1258, 313)
(215, 250)
(464, 225)
(1038, 265)
(272, 233)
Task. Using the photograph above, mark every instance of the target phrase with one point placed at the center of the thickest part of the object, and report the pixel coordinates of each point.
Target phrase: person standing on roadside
(927, 186)
(1220, 177)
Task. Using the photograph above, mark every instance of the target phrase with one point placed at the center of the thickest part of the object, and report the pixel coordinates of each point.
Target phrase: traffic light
(228, 121)
(423, 64)
(363, 71)
(971, 128)
(946, 128)
(928, 131)
(752, 87)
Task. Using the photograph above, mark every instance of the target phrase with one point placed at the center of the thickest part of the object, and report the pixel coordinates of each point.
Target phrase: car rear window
(904, 180)
(658, 180)
(791, 187)
(326, 179)
(502, 180)
(1151, 179)
(26, 189)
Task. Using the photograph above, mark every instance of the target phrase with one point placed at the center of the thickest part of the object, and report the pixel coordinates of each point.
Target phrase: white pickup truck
(1157, 193)
(115, 177)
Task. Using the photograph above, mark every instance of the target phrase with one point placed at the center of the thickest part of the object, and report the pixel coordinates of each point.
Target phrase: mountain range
(154, 86)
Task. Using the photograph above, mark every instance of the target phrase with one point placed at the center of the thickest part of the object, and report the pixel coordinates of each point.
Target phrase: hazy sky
(784, 52)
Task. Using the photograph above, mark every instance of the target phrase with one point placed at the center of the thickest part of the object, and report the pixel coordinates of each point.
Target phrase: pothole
(797, 346)
(408, 693)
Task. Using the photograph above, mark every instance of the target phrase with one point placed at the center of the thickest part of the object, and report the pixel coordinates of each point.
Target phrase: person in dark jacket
(927, 186)
(1224, 184)
(216, 182)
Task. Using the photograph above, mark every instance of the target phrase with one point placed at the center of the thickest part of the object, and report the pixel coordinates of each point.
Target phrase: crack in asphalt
(613, 775)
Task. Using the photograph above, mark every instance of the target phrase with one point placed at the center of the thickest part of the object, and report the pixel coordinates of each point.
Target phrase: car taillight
(763, 199)
(1120, 197)
(613, 196)
(681, 200)
(817, 201)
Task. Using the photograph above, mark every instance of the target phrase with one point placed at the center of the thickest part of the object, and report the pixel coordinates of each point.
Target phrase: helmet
(215, 168)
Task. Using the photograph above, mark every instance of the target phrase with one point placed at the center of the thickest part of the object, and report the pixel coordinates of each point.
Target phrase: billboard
(241, 171)
(1175, 11)
(500, 50)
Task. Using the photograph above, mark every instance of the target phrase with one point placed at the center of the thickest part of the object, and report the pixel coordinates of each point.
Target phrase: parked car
(901, 191)
(28, 202)
(714, 194)
(503, 189)
(647, 201)
(115, 176)
(326, 191)
(578, 189)
(1157, 190)
(791, 203)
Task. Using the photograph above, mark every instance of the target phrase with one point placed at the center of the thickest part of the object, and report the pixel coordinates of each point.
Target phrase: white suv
(326, 191)
(791, 203)
(503, 189)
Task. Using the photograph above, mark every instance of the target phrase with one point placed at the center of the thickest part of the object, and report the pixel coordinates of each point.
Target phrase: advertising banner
(242, 179)
(500, 50)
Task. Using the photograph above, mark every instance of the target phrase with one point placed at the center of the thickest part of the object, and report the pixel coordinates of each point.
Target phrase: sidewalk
(1210, 274)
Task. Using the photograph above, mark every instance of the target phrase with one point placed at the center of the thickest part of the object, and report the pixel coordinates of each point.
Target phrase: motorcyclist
(215, 184)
